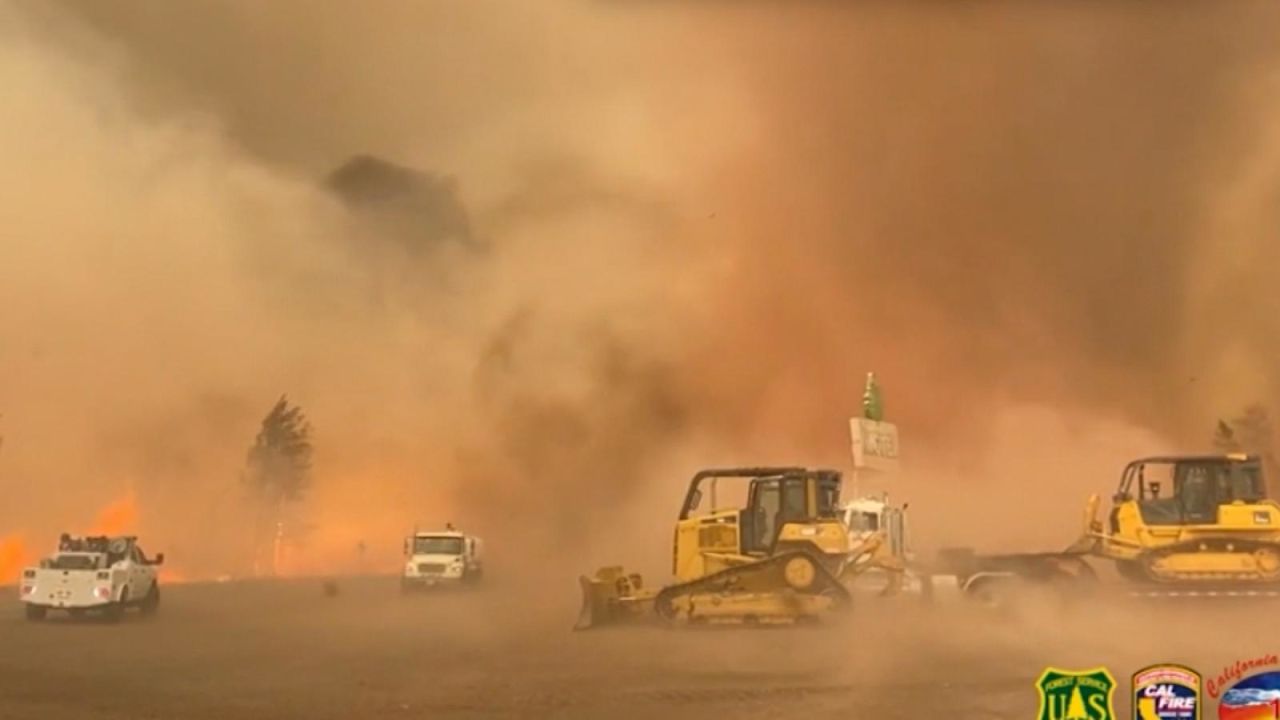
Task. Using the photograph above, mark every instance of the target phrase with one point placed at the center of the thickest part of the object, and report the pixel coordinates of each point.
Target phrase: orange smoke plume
(120, 517)
(13, 557)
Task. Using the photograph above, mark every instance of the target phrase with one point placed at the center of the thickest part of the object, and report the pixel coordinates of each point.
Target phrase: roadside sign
(875, 444)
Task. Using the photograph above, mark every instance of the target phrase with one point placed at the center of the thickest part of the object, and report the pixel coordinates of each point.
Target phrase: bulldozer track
(1242, 546)
(737, 580)
(1204, 593)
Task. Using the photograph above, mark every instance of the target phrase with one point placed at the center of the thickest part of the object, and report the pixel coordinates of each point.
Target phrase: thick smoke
(682, 232)
(165, 280)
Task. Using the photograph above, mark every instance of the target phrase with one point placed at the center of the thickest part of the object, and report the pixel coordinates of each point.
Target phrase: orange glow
(118, 518)
(13, 557)
(171, 577)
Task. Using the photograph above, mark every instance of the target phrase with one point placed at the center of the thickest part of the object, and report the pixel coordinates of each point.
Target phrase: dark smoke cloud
(419, 210)
(566, 458)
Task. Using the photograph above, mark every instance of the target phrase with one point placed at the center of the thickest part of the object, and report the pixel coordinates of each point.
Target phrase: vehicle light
(28, 589)
(102, 593)
(104, 575)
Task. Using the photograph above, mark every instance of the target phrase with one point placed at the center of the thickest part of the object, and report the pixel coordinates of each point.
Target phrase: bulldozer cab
(1189, 490)
(742, 512)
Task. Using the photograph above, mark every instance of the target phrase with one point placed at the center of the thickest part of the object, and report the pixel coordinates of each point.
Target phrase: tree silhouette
(277, 472)
(278, 464)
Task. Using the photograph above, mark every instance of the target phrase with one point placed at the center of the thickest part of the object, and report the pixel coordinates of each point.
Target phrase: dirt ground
(285, 650)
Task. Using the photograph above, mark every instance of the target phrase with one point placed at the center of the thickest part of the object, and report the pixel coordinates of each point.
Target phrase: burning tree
(278, 468)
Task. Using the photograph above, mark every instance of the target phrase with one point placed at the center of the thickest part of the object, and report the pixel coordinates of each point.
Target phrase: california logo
(1256, 697)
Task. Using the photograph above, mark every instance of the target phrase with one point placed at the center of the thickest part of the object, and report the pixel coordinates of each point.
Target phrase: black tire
(151, 603)
(115, 611)
(36, 613)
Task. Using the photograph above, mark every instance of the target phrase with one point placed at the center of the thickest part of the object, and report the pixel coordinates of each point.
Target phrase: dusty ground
(284, 650)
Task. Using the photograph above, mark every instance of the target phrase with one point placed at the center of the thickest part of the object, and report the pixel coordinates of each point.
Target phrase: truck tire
(151, 603)
(113, 612)
(991, 593)
(36, 613)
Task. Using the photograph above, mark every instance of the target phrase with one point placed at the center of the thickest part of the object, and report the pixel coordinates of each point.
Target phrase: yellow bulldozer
(752, 546)
(1201, 522)
(1179, 526)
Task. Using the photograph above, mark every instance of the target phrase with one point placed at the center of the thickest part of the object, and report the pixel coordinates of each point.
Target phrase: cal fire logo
(1166, 692)
(1076, 694)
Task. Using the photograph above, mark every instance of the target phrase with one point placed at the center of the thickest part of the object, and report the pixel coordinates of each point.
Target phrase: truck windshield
(437, 546)
(862, 520)
(74, 562)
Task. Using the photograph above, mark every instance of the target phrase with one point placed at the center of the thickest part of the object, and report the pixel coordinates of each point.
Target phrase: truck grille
(431, 568)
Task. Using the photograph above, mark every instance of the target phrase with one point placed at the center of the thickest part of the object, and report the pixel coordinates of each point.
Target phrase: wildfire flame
(119, 517)
(13, 557)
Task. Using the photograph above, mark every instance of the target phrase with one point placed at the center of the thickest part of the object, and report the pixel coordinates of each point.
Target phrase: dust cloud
(689, 230)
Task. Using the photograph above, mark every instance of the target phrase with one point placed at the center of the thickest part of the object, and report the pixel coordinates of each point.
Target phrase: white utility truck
(441, 557)
(102, 574)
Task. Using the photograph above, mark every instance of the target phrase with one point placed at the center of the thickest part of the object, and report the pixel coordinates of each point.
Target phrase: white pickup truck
(442, 557)
(92, 574)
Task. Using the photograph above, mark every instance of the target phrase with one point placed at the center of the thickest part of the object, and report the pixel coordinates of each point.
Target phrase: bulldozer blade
(612, 597)
(595, 604)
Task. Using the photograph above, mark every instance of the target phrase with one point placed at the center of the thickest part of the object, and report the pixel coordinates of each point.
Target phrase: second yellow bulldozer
(762, 545)
(1190, 523)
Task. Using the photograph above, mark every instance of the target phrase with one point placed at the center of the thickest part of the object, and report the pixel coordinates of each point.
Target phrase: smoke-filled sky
(1048, 227)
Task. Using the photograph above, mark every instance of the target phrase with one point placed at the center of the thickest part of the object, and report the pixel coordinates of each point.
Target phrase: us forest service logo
(1166, 692)
(1076, 694)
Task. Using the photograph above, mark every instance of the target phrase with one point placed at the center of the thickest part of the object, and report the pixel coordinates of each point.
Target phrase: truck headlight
(102, 593)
